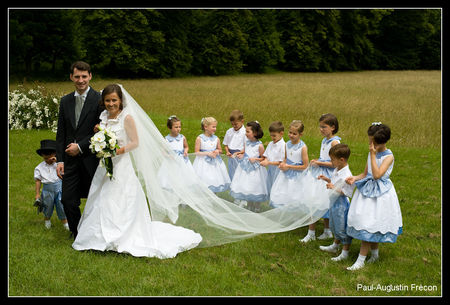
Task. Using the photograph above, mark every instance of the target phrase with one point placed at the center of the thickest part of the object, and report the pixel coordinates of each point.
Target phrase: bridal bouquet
(104, 145)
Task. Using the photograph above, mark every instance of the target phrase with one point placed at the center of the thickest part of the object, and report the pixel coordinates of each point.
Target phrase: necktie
(78, 106)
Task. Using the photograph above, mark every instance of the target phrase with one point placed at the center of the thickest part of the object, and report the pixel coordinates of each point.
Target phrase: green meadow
(41, 262)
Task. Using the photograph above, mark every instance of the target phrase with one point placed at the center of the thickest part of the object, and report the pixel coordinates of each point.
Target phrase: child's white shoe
(48, 224)
(66, 226)
(309, 237)
(333, 248)
(372, 259)
(243, 203)
(326, 234)
(358, 264)
(355, 266)
(341, 257)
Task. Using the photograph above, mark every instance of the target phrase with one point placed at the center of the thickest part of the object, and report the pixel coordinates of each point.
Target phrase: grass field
(42, 262)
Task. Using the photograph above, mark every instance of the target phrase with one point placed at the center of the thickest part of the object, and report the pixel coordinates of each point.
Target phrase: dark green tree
(43, 36)
(264, 48)
(218, 42)
(401, 39)
(122, 43)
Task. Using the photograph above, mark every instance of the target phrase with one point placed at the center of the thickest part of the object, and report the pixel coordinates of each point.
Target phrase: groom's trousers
(75, 185)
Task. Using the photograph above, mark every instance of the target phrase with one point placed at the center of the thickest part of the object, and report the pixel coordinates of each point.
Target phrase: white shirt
(84, 95)
(342, 174)
(46, 173)
(275, 151)
(235, 139)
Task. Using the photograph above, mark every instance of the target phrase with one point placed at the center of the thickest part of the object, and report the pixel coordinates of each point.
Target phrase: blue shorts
(51, 198)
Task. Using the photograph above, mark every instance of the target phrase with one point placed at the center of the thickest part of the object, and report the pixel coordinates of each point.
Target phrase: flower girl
(208, 163)
(274, 153)
(250, 179)
(176, 140)
(286, 185)
(374, 215)
(328, 126)
(178, 143)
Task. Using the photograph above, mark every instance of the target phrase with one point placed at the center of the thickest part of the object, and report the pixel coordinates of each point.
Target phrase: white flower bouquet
(104, 145)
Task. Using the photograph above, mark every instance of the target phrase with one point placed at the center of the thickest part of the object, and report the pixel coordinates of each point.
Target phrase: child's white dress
(274, 152)
(250, 179)
(234, 139)
(325, 157)
(374, 213)
(177, 145)
(285, 189)
(212, 171)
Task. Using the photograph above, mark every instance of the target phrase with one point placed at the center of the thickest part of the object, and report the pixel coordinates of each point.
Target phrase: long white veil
(189, 203)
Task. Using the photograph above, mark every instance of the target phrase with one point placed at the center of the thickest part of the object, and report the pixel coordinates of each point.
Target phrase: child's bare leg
(373, 253)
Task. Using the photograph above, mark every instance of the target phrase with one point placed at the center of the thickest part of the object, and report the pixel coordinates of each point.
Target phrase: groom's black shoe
(73, 235)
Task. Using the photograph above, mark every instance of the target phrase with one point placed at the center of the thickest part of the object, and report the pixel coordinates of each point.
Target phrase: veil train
(189, 203)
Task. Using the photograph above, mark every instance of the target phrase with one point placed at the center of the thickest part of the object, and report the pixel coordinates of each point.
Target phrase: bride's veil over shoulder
(189, 203)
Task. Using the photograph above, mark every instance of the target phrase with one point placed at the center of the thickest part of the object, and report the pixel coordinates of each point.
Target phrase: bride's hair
(111, 89)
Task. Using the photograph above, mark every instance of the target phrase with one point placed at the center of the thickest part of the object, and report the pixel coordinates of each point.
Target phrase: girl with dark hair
(374, 215)
(249, 184)
(328, 126)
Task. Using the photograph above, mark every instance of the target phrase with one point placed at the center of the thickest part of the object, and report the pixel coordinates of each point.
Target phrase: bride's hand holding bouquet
(104, 146)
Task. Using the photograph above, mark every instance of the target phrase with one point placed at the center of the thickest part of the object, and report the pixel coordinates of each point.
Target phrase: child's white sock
(374, 256)
(66, 226)
(342, 256)
(358, 264)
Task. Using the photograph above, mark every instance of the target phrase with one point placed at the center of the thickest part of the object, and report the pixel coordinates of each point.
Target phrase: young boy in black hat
(45, 173)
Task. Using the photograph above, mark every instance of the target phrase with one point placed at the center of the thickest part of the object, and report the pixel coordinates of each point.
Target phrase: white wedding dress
(116, 215)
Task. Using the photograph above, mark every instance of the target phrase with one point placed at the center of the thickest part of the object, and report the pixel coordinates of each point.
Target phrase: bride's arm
(133, 140)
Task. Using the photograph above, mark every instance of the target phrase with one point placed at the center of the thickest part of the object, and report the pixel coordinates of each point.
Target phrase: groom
(79, 112)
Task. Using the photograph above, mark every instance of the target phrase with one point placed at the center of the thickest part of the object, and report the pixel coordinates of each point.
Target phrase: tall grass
(42, 262)
(408, 101)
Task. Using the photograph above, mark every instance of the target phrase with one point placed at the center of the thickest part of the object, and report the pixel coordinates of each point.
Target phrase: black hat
(47, 146)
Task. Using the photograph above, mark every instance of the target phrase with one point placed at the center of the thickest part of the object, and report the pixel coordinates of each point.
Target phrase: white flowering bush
(33, 109)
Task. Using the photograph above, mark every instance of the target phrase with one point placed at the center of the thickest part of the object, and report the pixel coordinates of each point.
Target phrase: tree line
(163, 43)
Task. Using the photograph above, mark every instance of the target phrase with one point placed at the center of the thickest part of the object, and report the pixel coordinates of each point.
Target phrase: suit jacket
(69, 133)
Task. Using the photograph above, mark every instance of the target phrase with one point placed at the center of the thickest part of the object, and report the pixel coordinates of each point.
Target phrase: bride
(116, 216)
(136, 213)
